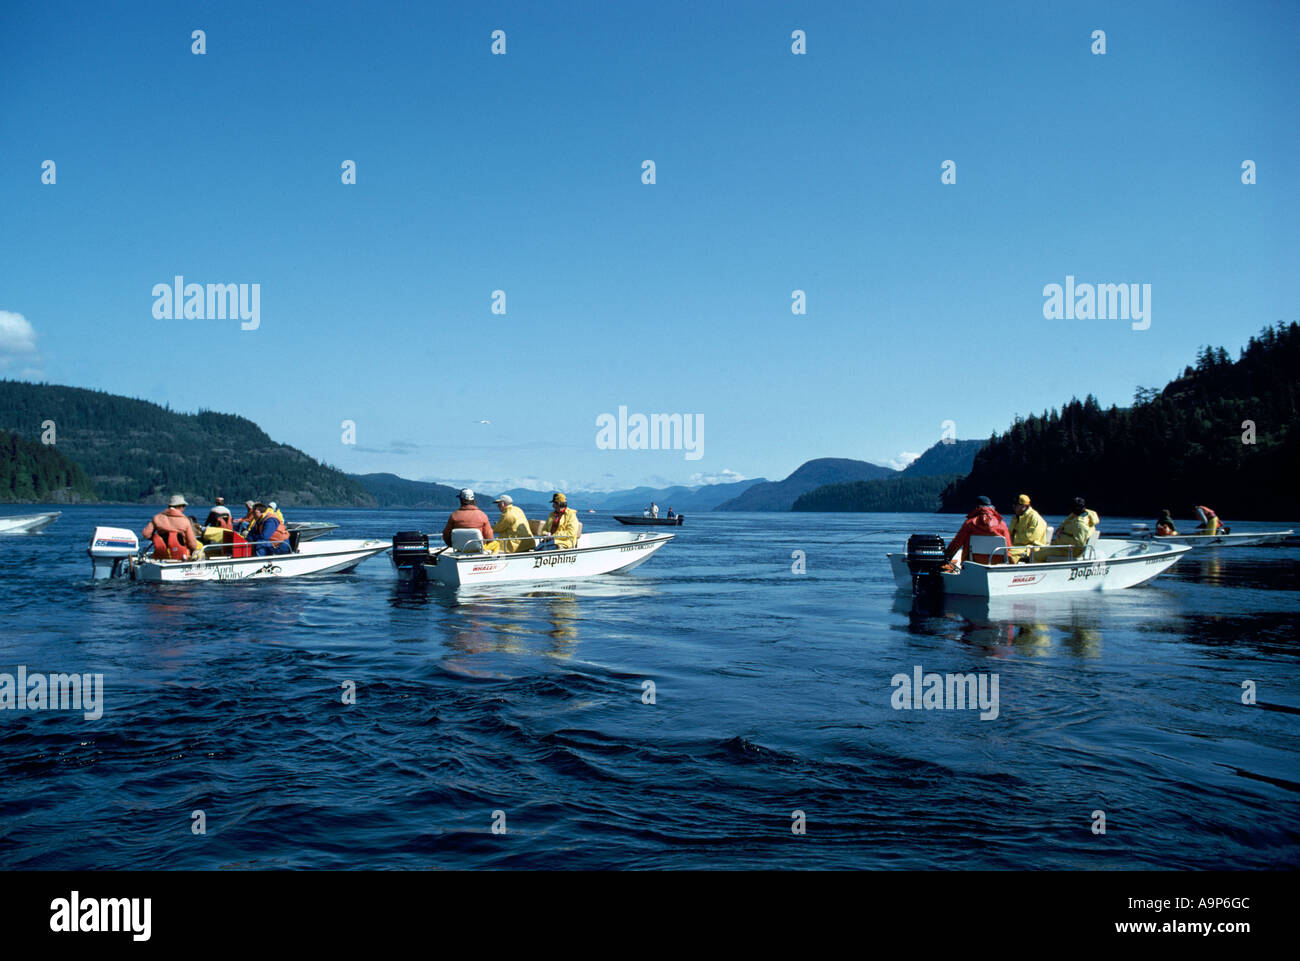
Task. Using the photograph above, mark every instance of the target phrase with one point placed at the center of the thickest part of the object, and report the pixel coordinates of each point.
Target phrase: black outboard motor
(926, 557)
(410, 554)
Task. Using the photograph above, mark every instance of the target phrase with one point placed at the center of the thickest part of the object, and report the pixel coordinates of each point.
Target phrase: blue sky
(522, 173)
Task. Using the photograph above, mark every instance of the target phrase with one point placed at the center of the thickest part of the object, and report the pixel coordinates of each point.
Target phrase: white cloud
(903, 459)
(725, 476)
(17, 336)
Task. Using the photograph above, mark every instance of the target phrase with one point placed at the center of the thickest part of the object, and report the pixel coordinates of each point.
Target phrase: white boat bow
(27, 523)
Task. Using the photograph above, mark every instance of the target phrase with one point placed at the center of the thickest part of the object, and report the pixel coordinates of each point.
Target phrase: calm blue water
(772, 694)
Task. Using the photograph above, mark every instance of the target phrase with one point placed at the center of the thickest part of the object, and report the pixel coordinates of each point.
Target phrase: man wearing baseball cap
(1027, 528)
(172, 533)
(470, 517)
(512, 526)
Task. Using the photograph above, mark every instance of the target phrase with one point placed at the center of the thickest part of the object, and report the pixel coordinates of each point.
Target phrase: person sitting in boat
(512, 527)
(468, 516)
(560, 532)
(245, 523)
(268, 535)
(1027, 528)
(671, 515)
(1209, 521)
(172, 533)
(1078, 528)
(1165, 525)
(983, 520)
(215, 527)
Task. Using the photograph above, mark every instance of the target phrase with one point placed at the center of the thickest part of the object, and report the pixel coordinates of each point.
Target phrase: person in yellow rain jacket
(512, 527)
(1027, 528)
(562, 524)
(1209, 521)
(1077, 529)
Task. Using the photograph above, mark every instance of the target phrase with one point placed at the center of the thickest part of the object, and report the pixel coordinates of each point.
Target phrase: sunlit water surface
(771, 695)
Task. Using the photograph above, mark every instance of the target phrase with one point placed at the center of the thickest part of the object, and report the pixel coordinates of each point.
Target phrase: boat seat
(982, 547)
(466, 540)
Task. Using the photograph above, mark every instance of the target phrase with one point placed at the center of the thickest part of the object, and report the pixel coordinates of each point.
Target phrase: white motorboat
(467, 564)
(310, 530)
(1104, 565)
(27, 523)
(115, 552)
(1201, 541)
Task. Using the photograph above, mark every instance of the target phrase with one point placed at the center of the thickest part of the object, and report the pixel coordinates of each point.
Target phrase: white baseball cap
(504, 499)
(466, 495)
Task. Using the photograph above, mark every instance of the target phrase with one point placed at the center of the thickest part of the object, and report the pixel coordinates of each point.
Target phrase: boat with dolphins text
(1105, 564)
(467, 563)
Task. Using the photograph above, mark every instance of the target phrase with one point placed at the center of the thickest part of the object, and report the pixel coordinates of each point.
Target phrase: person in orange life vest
(467, 516)
(172, 533)
(983, 520)
(267, 535)
(245, 523)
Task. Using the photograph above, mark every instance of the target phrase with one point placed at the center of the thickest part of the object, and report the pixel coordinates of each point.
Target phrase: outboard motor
(410, 554)
(926, 556)
(111, 550)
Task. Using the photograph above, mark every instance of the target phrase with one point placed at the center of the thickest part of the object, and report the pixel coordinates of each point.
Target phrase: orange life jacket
(281, 532)
(169, 546)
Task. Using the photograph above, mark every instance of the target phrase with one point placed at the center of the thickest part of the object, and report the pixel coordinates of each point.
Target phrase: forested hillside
(1222, 434)
(135, 451)
(901, 494)
(31, 471)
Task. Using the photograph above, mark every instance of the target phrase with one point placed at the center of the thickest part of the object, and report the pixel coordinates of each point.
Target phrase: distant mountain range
(780, 495)
(120, 449)
(682, 499)
(944, 459)
(389, 490)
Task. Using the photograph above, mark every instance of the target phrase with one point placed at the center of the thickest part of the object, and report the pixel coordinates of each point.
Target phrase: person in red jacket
(984, 519)
(468, 516)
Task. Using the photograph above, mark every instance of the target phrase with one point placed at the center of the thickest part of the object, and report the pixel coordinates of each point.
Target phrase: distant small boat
(650, 521)
(1198, 541)
(27, 523)
(310, 530)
